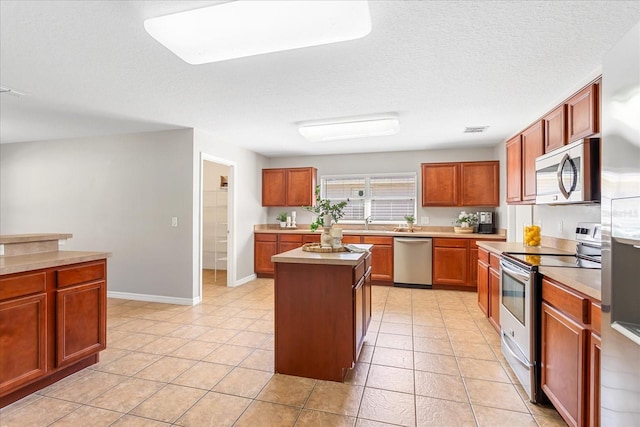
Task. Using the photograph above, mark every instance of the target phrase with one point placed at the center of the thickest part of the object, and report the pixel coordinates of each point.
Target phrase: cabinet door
(514, 170)
(494, 298)
(555, 129)
(301, 184)
(23, 329)
(311, 238)
(286, 242)
(358, 317)
(450, 266)
(81, 325)
(274, 187)
(381, 258)
(595, 350)
(532, 147)
(367, 301)
(440, 184)
(473, 264)
(483, 287)
(563, 367)
(480, 183)
(263, 251)
(582, 113)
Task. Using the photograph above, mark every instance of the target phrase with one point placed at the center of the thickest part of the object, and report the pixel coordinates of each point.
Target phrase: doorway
(216, 224)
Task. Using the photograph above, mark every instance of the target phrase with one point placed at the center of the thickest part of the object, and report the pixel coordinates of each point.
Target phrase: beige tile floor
(430, 359)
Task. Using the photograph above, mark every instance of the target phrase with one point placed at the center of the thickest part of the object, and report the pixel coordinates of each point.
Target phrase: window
(383, 197)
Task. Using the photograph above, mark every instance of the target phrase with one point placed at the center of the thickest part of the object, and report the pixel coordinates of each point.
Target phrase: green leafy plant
(324, 207)
(282, 217)
(470, 219)
(410, 219)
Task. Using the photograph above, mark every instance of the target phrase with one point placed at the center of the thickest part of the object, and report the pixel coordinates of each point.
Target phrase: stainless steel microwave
(570, 174)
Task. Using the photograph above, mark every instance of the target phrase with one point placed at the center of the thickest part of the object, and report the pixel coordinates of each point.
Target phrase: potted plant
(410, 220)
(325, 211)
(282, 218)
(465, 222)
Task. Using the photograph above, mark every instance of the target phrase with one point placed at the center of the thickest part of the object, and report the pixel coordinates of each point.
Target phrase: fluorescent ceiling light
(350, 129)
(245, 28)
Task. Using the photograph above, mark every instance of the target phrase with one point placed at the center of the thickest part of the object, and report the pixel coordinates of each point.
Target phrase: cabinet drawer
(377, 240)
(358, 272)
(80, 274)
(265, 237)
(295, 238)
(311, 238)
(450, 243)
(596, 317)
(24, 284)
(350, 239)
(483, 256)
(494, 261)
(570, 303)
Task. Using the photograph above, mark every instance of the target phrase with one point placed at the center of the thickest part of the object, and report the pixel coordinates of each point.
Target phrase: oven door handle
(522, 274)
(507, 345)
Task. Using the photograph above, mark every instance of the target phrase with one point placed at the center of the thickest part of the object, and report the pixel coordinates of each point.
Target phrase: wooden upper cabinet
(514, 170)
(532, 147)
(288, 186)
(555, 128)
(461, 184)
(582, 112)
(480, 183)
(301, 184)
(440, 184)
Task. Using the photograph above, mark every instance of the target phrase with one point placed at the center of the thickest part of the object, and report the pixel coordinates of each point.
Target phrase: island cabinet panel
(288, 186)
(570, 369)
(514, 170)
(440, 184)
(52, 324)
(24, 341)
(461, 184)
(81, 328)
(480, 183)
(555, 128)
(583, 113)
(321, 318)
(532, 147)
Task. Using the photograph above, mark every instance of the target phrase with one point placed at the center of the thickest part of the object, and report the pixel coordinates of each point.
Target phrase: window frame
(367, 198)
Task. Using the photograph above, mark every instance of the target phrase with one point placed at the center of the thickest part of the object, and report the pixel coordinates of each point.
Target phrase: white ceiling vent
(475, 129)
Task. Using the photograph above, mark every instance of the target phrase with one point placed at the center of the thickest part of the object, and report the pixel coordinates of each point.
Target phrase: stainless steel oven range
(520, 302)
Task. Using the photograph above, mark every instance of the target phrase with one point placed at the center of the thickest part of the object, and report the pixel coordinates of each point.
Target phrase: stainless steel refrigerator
(620, 128)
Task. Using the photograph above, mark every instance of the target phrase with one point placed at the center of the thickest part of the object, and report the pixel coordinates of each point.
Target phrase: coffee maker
(486, 223)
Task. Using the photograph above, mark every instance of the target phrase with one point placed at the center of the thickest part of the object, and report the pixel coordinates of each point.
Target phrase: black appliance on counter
(486, 223)
(521, 302)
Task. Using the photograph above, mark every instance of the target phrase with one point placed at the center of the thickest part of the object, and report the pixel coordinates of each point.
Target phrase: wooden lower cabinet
(488, 278)
(286, 242)
(456, 263)
(381, 259)
(570, 369)
(52, 324)
(264, 247)
(23, 328)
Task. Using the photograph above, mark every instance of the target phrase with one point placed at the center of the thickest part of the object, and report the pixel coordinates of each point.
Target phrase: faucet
(367, 221)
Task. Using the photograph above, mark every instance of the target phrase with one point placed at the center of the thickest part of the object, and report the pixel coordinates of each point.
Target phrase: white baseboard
(154, 298)
(244, 280)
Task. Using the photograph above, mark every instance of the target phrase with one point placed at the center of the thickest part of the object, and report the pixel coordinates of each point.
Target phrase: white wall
(400, 161)
(115, 194)
(247, 189)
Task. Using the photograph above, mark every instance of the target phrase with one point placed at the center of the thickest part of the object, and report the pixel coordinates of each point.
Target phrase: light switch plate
(424, 220)
(174, 221)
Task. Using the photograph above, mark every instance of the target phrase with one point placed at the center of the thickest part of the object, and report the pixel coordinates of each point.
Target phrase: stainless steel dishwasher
(412, 262)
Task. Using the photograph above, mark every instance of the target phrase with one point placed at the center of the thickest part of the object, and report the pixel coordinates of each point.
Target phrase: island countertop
(22, 263)
(298, 256)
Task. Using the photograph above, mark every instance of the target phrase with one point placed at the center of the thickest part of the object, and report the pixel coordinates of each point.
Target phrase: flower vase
(326, 239)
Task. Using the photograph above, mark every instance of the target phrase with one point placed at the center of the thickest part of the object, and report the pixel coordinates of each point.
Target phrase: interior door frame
(231, 227)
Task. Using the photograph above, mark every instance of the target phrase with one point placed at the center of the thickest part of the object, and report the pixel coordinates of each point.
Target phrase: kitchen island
(52, 312)
(322, 311)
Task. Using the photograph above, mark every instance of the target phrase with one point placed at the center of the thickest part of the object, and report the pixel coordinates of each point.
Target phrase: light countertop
(585, 280)
(22, 263)
(34, 237)
(355, 230)
(298, 256)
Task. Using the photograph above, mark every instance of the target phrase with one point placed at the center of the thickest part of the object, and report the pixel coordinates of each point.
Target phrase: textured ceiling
(89, 68)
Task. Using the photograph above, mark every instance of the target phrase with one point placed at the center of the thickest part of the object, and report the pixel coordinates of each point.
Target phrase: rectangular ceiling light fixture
(245, 28)
(350, 129)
